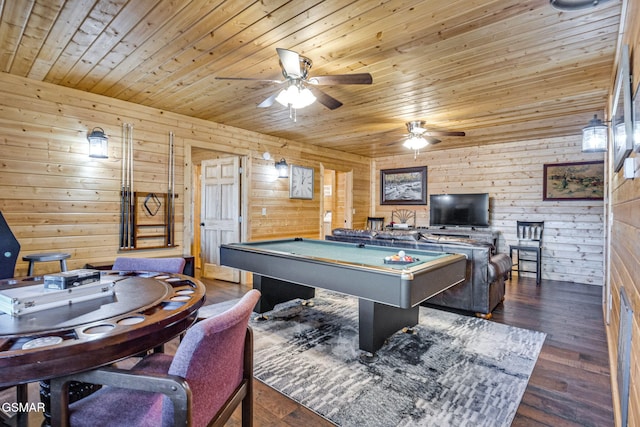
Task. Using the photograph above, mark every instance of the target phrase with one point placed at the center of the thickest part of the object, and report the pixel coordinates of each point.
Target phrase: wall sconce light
(571, 5)
(594, 136)
(98, 147)
(283, 168)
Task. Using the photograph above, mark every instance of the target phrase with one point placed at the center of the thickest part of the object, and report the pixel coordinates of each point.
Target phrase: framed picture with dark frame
(636, 120)
(621, 118)
(404, 186)
(574, 181)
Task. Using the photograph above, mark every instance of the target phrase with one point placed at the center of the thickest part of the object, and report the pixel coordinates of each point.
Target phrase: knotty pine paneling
(512, 174)
(472, 66)
(284, 217)
(625, 243)
(55, 198)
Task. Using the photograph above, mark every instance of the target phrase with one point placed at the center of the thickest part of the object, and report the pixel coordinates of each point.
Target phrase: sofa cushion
(463, 241)
(411, 235)
(350, 232)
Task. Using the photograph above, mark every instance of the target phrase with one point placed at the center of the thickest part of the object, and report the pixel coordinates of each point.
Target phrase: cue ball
(401, 254)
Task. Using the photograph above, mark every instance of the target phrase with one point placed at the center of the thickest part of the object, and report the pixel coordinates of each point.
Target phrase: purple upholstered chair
(210, 374)
(160, 265)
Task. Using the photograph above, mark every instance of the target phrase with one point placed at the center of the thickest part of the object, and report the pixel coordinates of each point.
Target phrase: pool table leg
(275, 291)
(379, 321)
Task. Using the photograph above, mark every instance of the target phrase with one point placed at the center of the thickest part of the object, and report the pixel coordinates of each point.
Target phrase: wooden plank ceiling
(500, 70)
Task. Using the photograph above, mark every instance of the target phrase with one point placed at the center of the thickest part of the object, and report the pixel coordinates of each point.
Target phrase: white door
(219, 214)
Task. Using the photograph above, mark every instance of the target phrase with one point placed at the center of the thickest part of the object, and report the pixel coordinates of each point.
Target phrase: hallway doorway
(337, 200)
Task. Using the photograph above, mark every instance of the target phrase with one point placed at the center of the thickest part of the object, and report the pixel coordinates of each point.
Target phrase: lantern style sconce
(594, 136)
(98, 144)
(283, 168)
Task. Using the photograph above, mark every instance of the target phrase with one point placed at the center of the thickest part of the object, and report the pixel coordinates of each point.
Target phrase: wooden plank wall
(625, 244)
(284, 217)
(55, 198)
(512, 174)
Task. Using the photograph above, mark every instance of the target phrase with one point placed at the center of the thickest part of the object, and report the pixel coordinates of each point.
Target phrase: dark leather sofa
(484, 286)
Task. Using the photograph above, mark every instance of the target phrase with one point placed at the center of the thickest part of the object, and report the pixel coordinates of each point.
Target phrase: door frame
(190, 197)
(347, 221)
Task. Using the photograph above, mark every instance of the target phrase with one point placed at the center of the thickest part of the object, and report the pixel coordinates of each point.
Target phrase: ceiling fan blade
(290, 62)
(268, 102)
(324, 99)
(251, 79)
(444, 133)
(342, 79)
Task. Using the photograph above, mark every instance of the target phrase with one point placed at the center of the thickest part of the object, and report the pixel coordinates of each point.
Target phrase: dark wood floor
(570, 385)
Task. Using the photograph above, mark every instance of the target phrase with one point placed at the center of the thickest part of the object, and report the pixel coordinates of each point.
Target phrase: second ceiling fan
(417, 129)
(419, 136)
(301, 90)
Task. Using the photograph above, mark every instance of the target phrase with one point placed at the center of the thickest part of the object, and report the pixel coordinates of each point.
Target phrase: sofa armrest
(499, 265)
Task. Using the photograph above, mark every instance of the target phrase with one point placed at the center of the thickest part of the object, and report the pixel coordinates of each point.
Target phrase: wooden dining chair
(405, 217)
(528, 249)
(375, 223)
(209, 376)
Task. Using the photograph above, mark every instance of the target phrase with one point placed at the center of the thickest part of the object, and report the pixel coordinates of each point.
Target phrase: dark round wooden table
(146, 310)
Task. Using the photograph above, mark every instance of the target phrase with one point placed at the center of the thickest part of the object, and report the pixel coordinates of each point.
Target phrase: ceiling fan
(419, 136)
(301, 90)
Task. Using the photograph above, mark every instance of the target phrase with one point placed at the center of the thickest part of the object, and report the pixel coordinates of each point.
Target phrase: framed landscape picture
(404, 186)
(574, 181)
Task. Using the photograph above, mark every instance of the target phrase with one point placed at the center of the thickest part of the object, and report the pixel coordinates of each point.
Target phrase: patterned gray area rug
(453, 371)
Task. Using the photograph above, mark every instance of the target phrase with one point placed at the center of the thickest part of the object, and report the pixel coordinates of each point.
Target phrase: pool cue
(121, 238)
(132, 196)
(170, 190)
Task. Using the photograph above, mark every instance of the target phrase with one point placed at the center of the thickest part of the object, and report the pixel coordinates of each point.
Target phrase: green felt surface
(345, 252)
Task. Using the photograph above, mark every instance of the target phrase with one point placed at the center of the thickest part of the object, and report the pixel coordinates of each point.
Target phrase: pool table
(389, 292)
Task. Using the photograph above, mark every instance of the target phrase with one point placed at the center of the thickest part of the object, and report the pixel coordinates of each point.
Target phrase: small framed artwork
(301, 182)
(574, 181)
(404, 186)
(621, 118)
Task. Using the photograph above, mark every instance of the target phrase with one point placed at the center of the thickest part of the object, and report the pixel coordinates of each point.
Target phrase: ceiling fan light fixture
(415, 142)
(295, 97)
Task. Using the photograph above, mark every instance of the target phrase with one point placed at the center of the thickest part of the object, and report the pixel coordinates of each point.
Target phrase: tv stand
(484, 235)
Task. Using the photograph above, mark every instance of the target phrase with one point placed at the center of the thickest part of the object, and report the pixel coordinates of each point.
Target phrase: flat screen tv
(459, 210)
